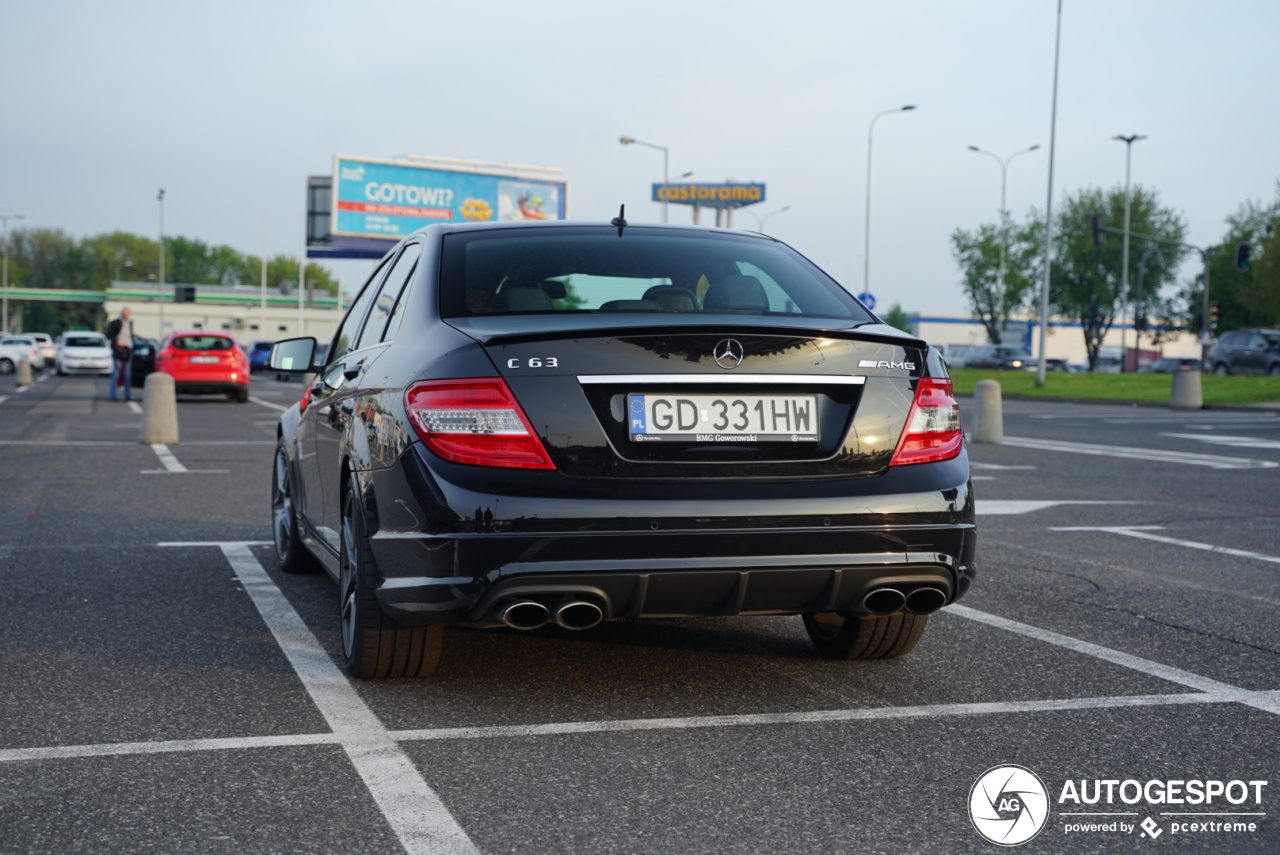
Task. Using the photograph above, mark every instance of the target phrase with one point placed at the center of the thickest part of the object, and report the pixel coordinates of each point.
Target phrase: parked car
(204, 363)
(1171, 365)
(44, 342)
(14, 349)
(548, 422)
(957, 354)
(1246, 352)
(999, 356)
(259, 354)
(83, 353)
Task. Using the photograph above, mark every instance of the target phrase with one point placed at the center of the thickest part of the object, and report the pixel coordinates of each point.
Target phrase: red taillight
(933, 426)
(474, 421)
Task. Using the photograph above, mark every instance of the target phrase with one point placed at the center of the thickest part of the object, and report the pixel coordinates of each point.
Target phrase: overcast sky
(229, 106)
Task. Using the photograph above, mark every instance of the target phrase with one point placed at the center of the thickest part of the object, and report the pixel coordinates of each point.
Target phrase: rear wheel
(374, 645)
(240, 396)
(6, 366)
(290, 551)
(1222, 370)
(1275, 370)
(872, 637)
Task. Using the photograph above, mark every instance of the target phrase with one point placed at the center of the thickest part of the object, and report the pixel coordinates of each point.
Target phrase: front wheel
(1222, 370)
(374, 645)
(290, 551)
(6, 366)
(872, 637)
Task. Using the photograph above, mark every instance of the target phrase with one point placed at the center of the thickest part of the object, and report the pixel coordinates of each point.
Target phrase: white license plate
(723, 418)
(204, 360)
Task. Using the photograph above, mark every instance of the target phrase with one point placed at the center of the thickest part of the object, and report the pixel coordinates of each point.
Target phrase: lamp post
(4, 246)
(665, 174)
(1048, 205)
(160, 199)
(866, 241)
(760, 221)
(1004, 227)
(1124, 253)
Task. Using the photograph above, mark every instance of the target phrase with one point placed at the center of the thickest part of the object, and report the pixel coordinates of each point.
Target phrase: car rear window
(595, 270)
(202, 342)
(84, 341)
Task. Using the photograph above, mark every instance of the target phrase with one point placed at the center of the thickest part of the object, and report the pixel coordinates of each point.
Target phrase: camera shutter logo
(1008, 805)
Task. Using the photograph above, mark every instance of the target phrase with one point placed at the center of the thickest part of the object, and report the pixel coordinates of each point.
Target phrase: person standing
(120, 334)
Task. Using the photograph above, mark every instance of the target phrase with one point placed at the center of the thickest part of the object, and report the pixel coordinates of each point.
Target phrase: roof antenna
(621, 220)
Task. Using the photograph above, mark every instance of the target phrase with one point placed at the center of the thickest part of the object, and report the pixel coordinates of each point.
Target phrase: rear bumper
(449, 553)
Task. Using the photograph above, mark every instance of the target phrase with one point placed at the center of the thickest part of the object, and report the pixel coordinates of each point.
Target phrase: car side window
(1257, 342)
(376, 329)
(348, 333)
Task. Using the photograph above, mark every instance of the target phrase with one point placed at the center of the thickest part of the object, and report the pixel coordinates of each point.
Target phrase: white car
(44, 341)
(84, 353)
(13, 349)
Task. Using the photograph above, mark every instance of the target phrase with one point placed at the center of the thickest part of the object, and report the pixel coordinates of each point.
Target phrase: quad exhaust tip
(578, 614)
(884, 601)
(525, 615)
(926, 601)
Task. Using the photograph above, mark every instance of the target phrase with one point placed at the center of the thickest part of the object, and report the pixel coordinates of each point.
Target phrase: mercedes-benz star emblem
(728, 354)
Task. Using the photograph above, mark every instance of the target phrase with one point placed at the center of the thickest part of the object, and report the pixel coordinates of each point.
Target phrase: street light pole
(1124, 263)
(160, 199)
(666, 175)
(866, 238)
(760, 221)
(1004, 227)
(4, 245)
(1048, 205)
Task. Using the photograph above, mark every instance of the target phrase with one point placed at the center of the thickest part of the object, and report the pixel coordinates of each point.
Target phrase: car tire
(374, 645)
(6, 366)
(1222, 370)
(60, 372)
(1275, 370)
(873, 637)
(290, 551)
(241, 396)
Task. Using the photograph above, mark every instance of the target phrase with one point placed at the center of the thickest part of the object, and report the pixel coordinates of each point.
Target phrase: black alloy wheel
(290, 551)
(873, 637)
(374, 645)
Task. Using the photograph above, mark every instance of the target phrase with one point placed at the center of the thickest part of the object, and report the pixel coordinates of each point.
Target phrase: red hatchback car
(203, 363)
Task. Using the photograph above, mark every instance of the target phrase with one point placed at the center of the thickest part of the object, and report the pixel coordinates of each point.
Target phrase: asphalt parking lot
(166, 689)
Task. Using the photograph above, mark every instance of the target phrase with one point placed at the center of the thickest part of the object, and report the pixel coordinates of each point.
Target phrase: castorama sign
(390, 199)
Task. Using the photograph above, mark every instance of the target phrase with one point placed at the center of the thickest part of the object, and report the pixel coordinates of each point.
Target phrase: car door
(342, 380)
(1253, 356)
(320, 487)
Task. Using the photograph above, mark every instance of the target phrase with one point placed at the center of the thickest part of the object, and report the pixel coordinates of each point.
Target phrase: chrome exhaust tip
(577, 614)
(525, 615)
(926, 601)
(884, 601)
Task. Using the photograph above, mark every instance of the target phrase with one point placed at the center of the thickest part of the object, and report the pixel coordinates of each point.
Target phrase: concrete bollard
(990, 412)
(1185, 393)
(159, 410)
(24, 373)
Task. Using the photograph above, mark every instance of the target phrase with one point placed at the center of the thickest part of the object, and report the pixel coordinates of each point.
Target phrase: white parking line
(1211, 460)
(172, 466)
(1233, 441)
(258, 400)
(135, 407)
(412, 808)
(3, 398)
(1143, 532)
(1004, 507)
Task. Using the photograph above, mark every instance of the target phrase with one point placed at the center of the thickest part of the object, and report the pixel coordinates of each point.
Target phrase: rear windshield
(202, 342)
(84, 341)
(594, 270)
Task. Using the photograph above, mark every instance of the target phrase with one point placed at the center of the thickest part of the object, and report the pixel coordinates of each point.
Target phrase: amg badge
(871, 363)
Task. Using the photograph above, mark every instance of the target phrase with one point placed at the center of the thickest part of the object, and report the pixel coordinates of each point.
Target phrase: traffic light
(1095, 225)
(1215, 313)
(1242, 257)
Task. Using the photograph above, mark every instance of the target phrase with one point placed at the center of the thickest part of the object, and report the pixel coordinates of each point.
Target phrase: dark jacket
(113, 333)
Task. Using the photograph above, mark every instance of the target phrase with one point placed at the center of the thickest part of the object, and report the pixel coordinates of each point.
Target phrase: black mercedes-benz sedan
(557, 422)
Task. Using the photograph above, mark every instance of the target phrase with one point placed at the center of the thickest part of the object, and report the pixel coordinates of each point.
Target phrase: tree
(898, 319)
(1086, 279)
(978, 254)
(1250, 297)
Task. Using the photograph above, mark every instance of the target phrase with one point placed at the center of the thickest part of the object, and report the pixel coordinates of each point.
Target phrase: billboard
(390, 199)
(709, 195)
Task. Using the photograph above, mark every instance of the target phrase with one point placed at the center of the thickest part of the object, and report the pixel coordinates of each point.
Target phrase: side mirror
(293, 355)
